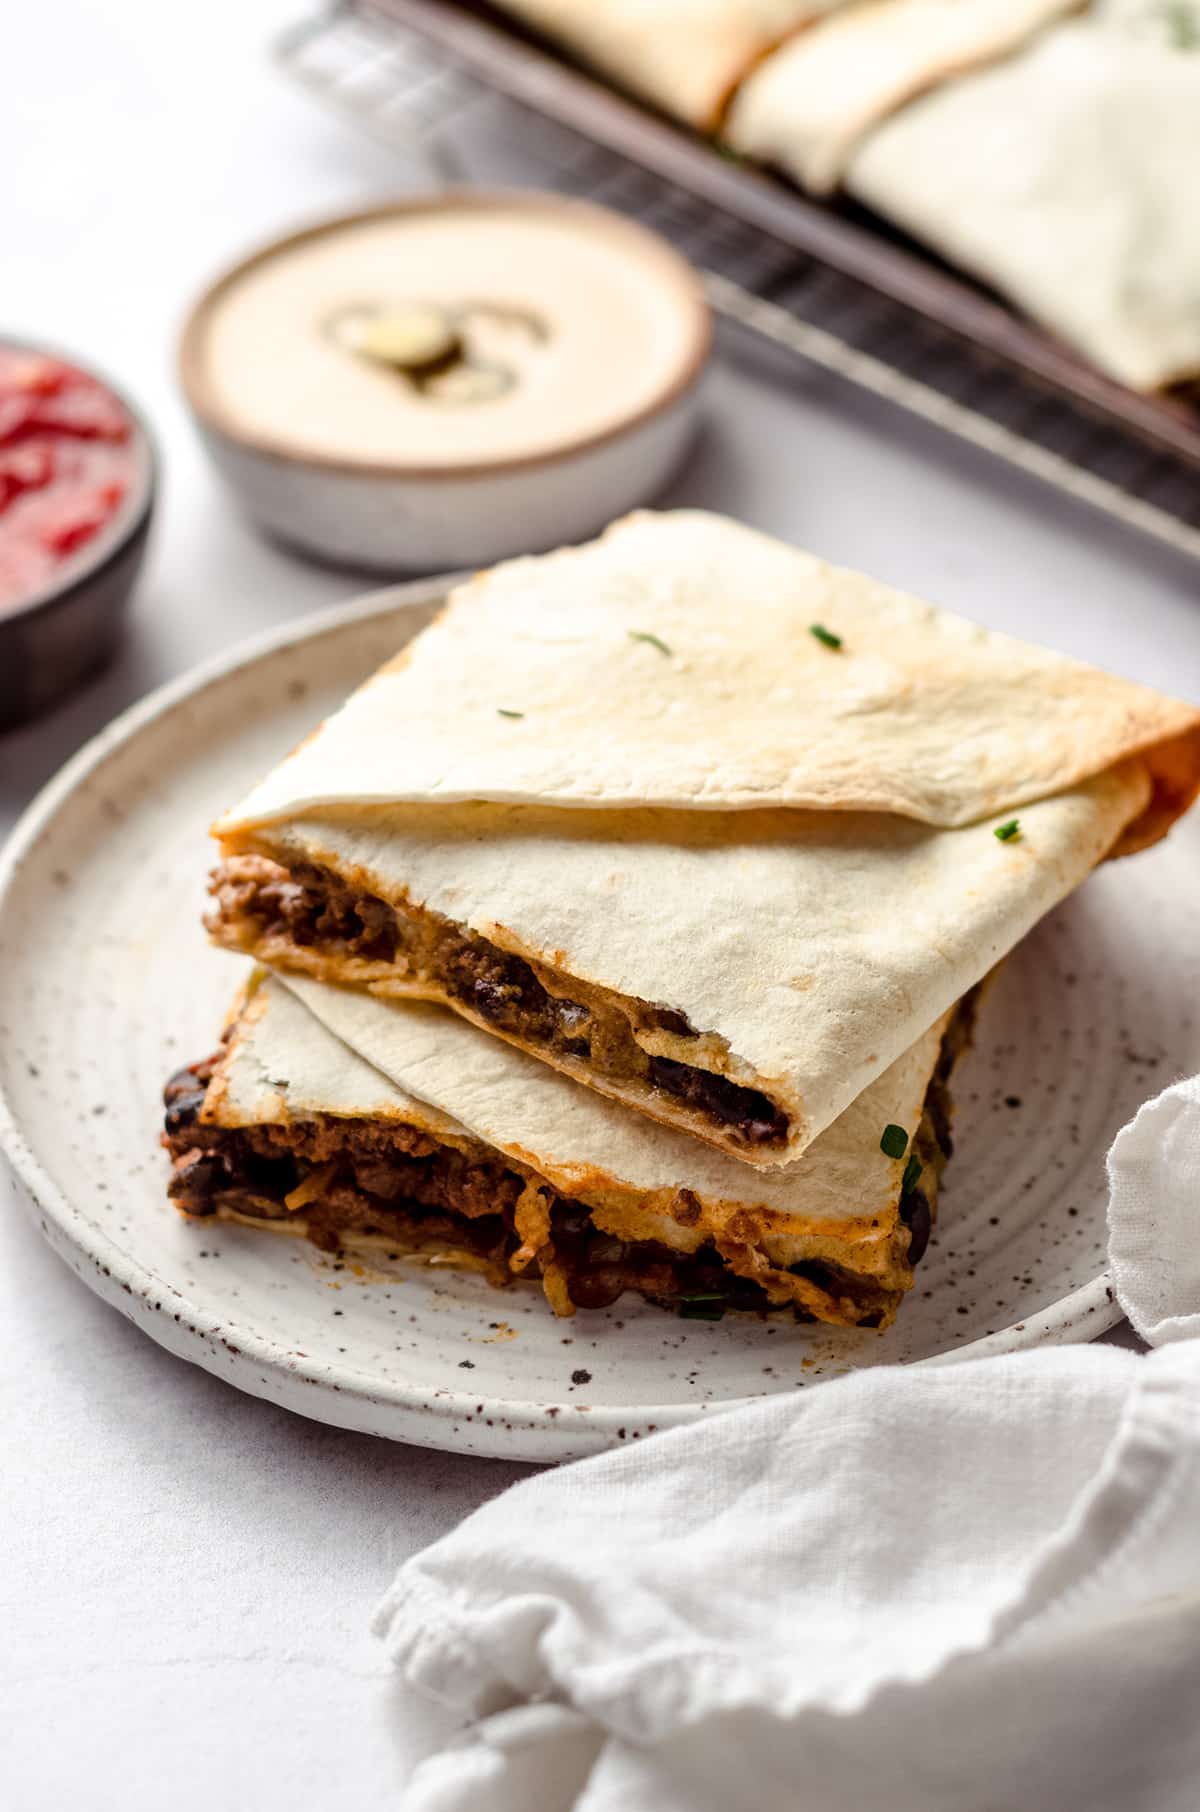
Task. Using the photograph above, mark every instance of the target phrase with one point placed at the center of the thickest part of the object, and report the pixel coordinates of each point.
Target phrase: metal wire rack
(409, 90)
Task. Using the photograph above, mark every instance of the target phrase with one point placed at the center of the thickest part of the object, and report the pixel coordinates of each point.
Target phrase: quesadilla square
(699, 820)
(359, 1123)
(807, 106)
(1063, 177)
(685, 56)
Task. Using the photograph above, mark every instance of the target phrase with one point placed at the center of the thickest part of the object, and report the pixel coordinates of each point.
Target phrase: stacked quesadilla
(1063, 177)
(360, 1123)
(628, 924)
(1050, 155)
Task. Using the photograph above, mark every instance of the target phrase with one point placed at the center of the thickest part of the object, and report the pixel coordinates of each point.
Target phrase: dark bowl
(62, 633)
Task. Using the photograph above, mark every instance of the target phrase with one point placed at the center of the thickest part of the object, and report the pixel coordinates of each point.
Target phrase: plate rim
(1082, 1314)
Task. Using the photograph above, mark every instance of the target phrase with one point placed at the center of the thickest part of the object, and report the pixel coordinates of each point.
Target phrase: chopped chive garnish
(644, 635)
(825, 636)
(699, 1308)
(501, 712)
(1006, 832)
(912, 1174)
(894, 1142)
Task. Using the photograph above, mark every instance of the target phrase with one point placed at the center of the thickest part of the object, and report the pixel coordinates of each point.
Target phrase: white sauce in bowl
(580, 322)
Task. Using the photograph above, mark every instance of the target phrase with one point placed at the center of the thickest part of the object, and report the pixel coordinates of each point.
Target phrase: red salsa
(66, 465)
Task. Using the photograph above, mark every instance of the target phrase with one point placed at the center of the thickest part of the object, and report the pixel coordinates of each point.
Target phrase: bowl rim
(131, 520)
(198, 391)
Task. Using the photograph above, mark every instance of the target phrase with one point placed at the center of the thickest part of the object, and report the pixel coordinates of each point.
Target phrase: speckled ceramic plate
(107, 984)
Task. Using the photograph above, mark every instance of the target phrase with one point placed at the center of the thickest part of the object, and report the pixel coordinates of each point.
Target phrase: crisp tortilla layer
(672, 664)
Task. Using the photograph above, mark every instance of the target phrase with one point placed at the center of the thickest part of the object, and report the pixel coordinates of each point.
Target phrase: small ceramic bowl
(560, 389)
(57, 635)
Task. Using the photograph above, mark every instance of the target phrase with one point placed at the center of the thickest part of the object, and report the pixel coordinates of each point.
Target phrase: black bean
(916, 1213)
(745, 1112)
(195, 1183)
(571, 1218)
(183, 1110)
(604, 1250)
(183, 1082)
(597, 1289)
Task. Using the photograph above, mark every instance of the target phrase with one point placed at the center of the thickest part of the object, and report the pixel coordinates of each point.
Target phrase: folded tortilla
(745, 970)
(672, 664)
(1065, 178)
(685, 56)
(358, 1122)
(806, 106)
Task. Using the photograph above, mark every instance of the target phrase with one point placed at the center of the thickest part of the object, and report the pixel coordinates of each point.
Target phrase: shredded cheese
(554, 1286)
(311, 1189)
(531, 1217)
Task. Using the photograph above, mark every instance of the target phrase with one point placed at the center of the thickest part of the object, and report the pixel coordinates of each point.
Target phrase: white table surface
(188, 1574)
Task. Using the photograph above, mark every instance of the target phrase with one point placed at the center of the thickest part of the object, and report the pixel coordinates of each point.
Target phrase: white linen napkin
(967, 1588)
(1154, 1217)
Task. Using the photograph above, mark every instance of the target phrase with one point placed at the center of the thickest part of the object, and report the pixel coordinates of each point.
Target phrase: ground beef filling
(397, 1182)
(257, 899)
